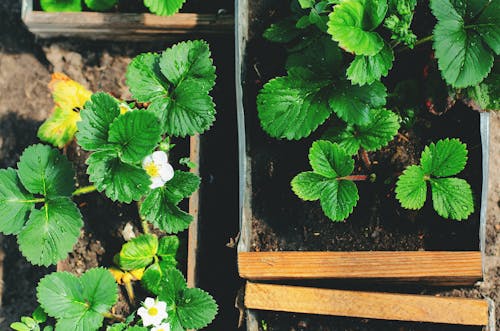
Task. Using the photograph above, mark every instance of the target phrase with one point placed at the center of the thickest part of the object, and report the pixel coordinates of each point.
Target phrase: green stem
(145, 226)
(84, 190)
(36, 200)
(112, 316)
(417, 43)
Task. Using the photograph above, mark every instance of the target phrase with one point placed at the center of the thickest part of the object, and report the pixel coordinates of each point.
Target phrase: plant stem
(112, 316)
(84, 190)
(365, 157)
(36, 200)
(145, 226)
(354, 177)
(417, 43)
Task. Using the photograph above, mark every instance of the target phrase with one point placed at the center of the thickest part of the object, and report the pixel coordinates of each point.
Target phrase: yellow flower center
(152, 170)
(152, 311)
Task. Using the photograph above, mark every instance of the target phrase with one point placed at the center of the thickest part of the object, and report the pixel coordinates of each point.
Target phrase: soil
(281, 221)
(25, 102)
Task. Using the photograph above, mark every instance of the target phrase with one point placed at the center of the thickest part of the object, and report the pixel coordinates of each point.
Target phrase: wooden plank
(387, 306)
(194, 203)
(127, 26)
(433, 267)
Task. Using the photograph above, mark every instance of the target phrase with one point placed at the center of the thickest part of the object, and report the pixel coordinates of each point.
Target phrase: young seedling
(330, 181)
(451, 196)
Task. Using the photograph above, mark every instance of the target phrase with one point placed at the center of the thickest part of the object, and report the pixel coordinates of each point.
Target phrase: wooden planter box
(431, 267)
(122, 26)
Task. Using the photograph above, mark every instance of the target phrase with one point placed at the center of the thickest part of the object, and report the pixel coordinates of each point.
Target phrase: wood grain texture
(122, 26)
(433, 267)
(387, 306)
(194, 203)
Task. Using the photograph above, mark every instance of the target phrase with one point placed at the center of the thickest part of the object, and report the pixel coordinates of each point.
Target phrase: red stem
(354, 177)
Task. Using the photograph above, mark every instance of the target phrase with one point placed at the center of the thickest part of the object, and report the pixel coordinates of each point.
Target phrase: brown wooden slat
(387, 306)
(194, 202)
(125, 25)
(434, 267)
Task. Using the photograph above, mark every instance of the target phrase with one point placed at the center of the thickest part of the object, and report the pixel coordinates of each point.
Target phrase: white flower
(153, 312)
(158, 168)
(162, 327)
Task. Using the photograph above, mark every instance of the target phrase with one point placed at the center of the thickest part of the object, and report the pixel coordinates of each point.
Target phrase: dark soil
(282, 222)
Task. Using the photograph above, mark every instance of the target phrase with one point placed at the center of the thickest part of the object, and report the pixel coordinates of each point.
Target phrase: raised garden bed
(380, 241)
(124, 26)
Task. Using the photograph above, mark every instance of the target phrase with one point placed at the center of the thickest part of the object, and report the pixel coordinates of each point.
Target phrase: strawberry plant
(338, 53)
(158, 7)
(128, 161)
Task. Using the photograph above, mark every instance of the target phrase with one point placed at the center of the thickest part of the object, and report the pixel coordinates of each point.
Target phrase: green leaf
(15, 202)
(43, 170)
(161, 210)
(40, 315)
(188, 60)
(293, 99)
(61, 5)
(153, 276)
(167, 249)
(78, 303)
(378, 132)
(352, 23)
(101, 5)
(368, 69)
(318, 54)
(309, 185)
(195, 308)
(445, 158)
(486, 95)
(51, 232)
(331, 164)
(120, 181)
(488, 25)
(283, 31)
(20, 326)
(399, 21)
(60, 128)
(181, 186)
(139, 252)
(144, 78)
(137, 133)
(452, 198)
(97, 116)
(164, 7)
(190, 109)
(463, 58)
(411, 188)
(329, 160)
(352, 103)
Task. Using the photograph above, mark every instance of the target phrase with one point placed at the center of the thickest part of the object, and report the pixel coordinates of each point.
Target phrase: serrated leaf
(452, 198)
(463, 58)
(154, 275)
(43, 170)
(352, 103)
(338, 199)
(159, 208)
(61, 5)
(78, 304)
(411, 188)
(101, 5)
(144, 78)
(309, 185)
(189, 59)
(164, 7)
(283, 31)
(97, 116)
(319, 54)
(51, 232)
(445, 158)
(378, 132)
(167, 249)
(368, 69)
(488, 25)
(136, 133)
(195, 308)
(352, 22)
(329, 160)
(39, 315)
(190, 109)
(15, 202)
(120, 181)
(486, 95)
(293, 99)
(60, 128)
(138, 252)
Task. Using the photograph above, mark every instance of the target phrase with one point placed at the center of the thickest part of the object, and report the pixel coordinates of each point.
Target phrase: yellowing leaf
(69, 96)
(67, 93)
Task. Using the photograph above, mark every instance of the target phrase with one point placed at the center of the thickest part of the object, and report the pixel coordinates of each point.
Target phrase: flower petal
(149, 302)
(160, 157)
(156, 182)
(166, 172)
(162, 306)
(147, 160)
